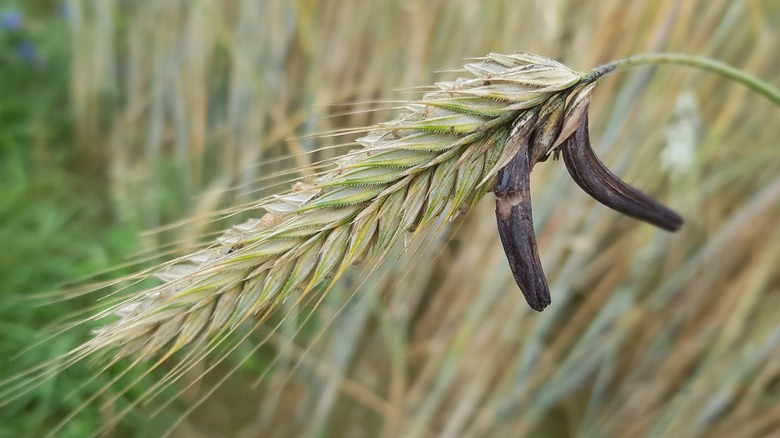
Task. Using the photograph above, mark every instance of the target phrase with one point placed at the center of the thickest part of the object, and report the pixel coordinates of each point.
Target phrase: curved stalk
(756, 84)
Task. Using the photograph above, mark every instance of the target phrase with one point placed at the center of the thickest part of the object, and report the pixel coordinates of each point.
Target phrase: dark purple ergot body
(602, 185)
(516, 229)
(513, 200)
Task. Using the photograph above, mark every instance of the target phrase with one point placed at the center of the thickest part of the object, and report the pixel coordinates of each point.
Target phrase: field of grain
(118, 117)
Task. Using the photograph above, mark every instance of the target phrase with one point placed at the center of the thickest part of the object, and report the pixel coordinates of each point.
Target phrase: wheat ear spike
(428, 165)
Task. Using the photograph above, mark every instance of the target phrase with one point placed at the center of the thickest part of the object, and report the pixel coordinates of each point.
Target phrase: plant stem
(756, 84)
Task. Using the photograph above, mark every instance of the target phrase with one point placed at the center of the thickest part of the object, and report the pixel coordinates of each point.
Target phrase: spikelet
(433, 162)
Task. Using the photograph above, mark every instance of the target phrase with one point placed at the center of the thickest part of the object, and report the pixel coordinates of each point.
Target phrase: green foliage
(56, 225)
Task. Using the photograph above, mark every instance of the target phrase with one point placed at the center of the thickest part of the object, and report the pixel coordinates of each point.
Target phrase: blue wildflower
(11, 20)
(27, 51)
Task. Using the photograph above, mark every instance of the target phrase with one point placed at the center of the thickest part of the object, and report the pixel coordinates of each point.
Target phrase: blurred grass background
(120, 116)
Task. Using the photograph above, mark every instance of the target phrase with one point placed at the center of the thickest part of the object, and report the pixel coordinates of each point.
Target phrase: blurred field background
(121, 116)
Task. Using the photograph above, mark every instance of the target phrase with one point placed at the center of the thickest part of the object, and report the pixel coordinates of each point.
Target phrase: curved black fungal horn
(605, 187)
(516, 228)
